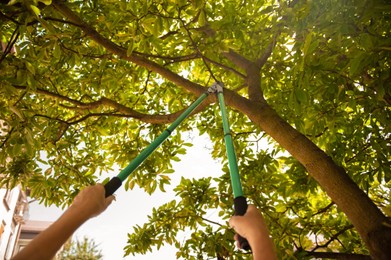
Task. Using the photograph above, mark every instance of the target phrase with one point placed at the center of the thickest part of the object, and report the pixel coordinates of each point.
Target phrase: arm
(89, 203)
(252, 227)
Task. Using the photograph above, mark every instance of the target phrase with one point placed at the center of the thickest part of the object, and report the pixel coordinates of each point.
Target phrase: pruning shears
(240, 202)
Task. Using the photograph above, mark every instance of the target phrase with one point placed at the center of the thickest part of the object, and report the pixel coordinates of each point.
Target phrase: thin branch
(197, 50)
(119, 110)
(165, 36)
(6, 138)
(146, 83)
(239, 87)
(9, 18)
(224, 67)
(92, 56)
(60, 20)
(51, 118)
(196, 55)
(319, 134)
(323, 209)
(9, 47)
(64, 125)
(334, 237)
(334, 255)
(212, 222)
(365, 147)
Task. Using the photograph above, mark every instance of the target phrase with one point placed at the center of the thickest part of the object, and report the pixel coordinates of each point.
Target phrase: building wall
(29, 230)
(13, 207)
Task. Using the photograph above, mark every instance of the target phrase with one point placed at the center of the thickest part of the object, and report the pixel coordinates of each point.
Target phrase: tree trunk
(370, 222)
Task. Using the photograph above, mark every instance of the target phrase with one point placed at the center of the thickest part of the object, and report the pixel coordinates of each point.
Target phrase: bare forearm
(252, 226)
(263, 248)
(261, 243)
(90, 202)
(48, 242)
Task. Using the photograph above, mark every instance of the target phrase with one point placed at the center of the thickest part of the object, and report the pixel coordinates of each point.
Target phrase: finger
(252, 209)
(109, 200)
(232, 222)
(101, 186)
(237, 243)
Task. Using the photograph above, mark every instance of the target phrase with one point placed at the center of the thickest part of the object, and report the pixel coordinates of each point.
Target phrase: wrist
(79, 212)
(254, 239)
(262, 247)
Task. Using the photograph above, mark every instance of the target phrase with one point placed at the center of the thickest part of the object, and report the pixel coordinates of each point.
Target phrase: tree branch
(5, 17)
(267, 52)
(333, 255)
(211, 222)
(253, 78)
(225, 67)
(119, 110)
(10, 46)
(238, 59)
(6, 138)
(334, 237)
(150, 65)
(122, 52)
(255, 92)
(197, 50)
(323, 209)
(47, 18)
(170, 59)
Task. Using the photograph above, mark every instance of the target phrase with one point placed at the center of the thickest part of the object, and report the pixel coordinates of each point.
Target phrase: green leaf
(301, 95)
(30, 67)
(17, 112)
(358, 63)
(46, 2)
(149, 24)
(130, 48)
(167, 171)
(36, 10)
(202, 20)
(307, 44)
(280, 208)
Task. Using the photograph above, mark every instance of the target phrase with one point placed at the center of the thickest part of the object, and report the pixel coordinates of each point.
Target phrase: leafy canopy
(72, 110)
(80, 249)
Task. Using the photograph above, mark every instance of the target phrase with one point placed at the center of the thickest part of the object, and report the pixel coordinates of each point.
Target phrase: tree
(93, 82)
(76, 249)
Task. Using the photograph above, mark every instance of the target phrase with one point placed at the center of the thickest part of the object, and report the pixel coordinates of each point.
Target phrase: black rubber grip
(240, 206)
(112, 186)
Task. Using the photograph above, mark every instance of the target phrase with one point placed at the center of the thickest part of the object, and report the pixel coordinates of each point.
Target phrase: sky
(109, 230)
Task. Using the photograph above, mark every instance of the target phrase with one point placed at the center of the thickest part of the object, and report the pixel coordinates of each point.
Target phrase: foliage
(73, 107)
(85, 249)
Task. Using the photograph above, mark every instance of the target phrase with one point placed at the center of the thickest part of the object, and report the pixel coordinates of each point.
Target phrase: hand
(252, 227)
(249, 225)
(91, 201)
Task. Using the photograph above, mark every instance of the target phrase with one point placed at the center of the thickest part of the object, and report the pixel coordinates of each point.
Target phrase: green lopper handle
(116, 182)
(240, 202)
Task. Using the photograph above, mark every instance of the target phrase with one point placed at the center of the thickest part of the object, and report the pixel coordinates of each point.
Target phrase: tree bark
(369, 221)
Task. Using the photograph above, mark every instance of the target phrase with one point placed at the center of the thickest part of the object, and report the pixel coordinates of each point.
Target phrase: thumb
(233, 221)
